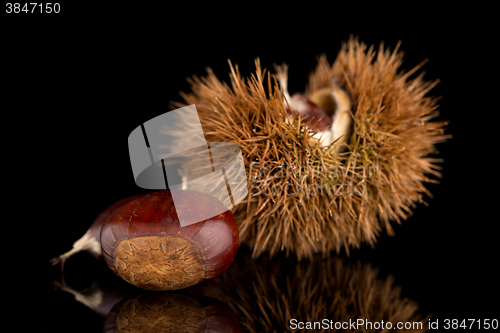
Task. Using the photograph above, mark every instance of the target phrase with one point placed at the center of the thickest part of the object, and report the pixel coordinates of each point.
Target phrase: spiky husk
(303, 197)
(267, 294)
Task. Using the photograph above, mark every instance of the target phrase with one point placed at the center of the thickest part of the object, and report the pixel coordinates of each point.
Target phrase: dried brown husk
(315, 207)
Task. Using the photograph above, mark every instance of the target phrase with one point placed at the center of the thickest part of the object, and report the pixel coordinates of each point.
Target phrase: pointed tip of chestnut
(144, 243)
(58, 260)
(55, 261)
(90, 241)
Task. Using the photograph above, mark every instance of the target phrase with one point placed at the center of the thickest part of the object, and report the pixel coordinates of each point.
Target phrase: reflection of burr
(267, 295)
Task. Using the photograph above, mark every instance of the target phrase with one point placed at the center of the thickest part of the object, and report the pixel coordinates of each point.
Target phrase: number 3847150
(32, 7)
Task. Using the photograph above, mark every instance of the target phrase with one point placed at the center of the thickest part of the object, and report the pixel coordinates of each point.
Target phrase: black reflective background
(74, 88)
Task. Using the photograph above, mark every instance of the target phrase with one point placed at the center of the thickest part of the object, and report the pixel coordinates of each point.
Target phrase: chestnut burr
(144, 243)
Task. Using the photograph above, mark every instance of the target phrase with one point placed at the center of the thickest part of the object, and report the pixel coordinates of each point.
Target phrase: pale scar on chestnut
(159, 262)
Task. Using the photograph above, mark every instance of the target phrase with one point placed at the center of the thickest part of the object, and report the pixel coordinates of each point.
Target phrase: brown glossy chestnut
(143, 242)
(314, 116)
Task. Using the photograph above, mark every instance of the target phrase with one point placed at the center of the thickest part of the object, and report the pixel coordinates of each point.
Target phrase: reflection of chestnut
(143, 242)
(164, 312)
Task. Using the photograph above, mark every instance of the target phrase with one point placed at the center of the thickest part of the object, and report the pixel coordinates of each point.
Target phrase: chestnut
(313, 114)
(143, 242)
